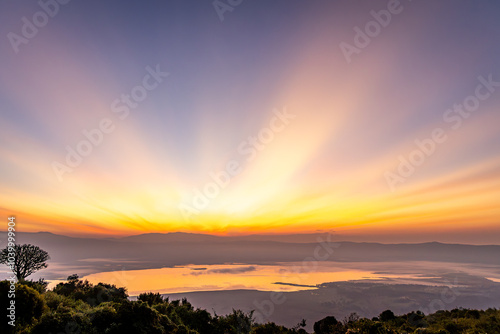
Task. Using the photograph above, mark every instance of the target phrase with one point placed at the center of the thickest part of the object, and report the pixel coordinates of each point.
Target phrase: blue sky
(325, 171)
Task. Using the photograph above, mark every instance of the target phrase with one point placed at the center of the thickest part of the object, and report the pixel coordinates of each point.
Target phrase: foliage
(327, 325)
(40, 285)
(456, 321)
(387, 315)
(151, 298)
(91, 294)
(29, 305)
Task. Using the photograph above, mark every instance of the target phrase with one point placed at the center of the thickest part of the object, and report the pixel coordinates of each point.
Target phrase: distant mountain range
(156, 250)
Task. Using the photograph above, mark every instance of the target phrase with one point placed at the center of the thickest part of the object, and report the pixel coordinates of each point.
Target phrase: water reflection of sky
(285, 276)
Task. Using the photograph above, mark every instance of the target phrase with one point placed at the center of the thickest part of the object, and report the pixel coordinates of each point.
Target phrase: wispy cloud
(237, 270)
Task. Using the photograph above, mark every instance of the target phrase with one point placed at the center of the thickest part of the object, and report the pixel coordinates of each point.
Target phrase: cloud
(238, 270)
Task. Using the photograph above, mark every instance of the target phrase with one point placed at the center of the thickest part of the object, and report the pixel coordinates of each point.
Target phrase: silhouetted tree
(27, 259)
(151, 298)
(301, 324)
(353, 317)
(271, 328)
(89, 293)
(387, 315)
(236, 322)
(327, 325)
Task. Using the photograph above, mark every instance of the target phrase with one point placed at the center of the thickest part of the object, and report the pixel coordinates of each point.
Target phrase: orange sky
(324, 168)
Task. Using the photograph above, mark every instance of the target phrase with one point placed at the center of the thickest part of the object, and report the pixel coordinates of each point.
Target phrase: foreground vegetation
(77, 306)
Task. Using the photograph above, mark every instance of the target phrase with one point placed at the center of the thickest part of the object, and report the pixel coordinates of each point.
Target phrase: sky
(240, 117)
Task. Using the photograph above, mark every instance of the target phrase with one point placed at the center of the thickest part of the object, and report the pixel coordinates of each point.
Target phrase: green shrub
(28, 306)
(151, 298)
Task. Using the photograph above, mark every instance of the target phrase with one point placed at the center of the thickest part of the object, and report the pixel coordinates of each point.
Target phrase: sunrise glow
(322, 166)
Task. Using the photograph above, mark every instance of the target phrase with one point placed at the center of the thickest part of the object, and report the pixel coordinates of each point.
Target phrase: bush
(40, 285)
(62, 321)
(29, 306)
(235, 322)
(328, 325)
(151, 298)
(93, 295)
(271, 328)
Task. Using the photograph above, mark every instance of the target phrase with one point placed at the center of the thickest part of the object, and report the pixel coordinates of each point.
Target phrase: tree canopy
(27, 259)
